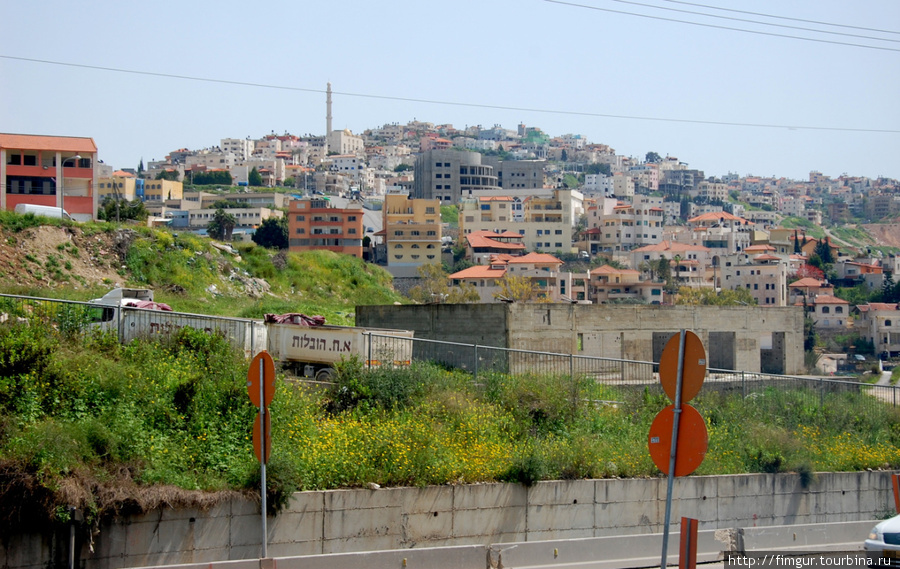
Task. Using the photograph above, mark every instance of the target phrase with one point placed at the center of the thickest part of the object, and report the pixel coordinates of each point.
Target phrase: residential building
(721, 231)
(830, 314)
(609, 285)
(688, 262)
(121, 185)
(545, 223)
(247, 219)
(764, 276)
(485, 278)
(517, 174)
(162, 190)
(450, 175)
(880, 324)
(412, 231)
(808, 288)
(314, 224)
(481, 246)
(55, 171)
(625, 226)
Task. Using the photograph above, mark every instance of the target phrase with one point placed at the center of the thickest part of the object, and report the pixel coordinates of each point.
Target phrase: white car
(883, 545)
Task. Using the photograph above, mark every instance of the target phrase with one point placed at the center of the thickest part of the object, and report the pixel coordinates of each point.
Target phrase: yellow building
(123, 185)
(412, 230)
(162, 190)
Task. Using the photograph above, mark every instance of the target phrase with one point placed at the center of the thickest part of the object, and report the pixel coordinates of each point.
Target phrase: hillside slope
(192, 274)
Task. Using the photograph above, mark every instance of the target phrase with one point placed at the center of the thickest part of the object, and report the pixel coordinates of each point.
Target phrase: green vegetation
(82, 414)
(450, 215)
(809, 227)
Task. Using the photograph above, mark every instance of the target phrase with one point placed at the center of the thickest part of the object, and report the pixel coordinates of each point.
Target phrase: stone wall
(745, 338)
(342, 521)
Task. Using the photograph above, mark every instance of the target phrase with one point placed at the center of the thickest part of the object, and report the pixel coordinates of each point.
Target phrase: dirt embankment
(884, 234)
(49, 256)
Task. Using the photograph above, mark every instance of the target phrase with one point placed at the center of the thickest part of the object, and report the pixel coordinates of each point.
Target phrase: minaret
(327, 117)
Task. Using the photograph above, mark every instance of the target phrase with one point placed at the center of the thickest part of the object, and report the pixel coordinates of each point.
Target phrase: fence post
(574, 384)
(743, 385)
(475, 363)
(821, 392)
(369, 355)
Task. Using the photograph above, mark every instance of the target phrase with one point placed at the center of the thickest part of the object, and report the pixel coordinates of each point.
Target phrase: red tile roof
(536, 258)
(716, 216)
(828, 299)
(41, 142)
(479, 272)
(808, 281)
(669, 247)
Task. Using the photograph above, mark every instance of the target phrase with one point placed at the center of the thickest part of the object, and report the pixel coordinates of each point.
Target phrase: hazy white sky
(585, 67)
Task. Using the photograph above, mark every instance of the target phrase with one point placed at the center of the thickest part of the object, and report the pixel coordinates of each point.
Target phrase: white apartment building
(764, 276)
(622, 186)
(211, 160)
(623, 227)
(345, 142)
(346, 164)
(712, 191)
(880, 324)
(598, 184)
(242, 148)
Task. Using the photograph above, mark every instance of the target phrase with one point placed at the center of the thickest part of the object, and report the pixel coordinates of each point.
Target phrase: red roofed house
(810, 288)
(609, 284)
(721, 230)
(56, 171)
(542, 269)
(831, 314)
(481, 246)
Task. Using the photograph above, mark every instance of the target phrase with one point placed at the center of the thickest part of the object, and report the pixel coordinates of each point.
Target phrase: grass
(79, 411)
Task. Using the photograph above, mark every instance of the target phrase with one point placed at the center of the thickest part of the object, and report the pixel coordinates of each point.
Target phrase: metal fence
(630, 375)
(578, 371)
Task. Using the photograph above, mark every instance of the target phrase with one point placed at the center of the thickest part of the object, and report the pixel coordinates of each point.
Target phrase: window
(351, 231)
(825, 310)
(351, 218)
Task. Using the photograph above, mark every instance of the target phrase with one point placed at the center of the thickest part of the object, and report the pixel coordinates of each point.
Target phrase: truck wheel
(325, 374)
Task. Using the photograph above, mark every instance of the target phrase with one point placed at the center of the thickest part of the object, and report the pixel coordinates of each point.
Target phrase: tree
(221, 225)
(653, 158)
(797, 243)
(171, 175)
(434, 288)
(664, 270)
(272, 233)
(113, 209)
(140, 168)
(823, 250)
(565, 155)
(518, 289)
(254, 178)
(708, 296)
(809, 271)
(402, 167)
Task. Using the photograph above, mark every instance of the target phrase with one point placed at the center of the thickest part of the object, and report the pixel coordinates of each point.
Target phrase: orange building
(55, 171)
(314, 224)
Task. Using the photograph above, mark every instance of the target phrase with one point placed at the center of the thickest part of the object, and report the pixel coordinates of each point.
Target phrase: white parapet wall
(361, 520)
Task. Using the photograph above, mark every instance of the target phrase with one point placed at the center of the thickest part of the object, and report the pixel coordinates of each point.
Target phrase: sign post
(261, 389)
(678, 439)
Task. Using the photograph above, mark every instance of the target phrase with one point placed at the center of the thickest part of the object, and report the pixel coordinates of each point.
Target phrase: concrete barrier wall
(344, 521)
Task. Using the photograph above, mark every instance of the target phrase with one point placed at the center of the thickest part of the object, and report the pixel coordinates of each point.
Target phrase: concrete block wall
(344, 521)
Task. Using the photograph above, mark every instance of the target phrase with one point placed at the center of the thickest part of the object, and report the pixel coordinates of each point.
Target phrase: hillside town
(570, 218)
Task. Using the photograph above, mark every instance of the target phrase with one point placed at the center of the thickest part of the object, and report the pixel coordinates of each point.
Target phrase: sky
(145, 78)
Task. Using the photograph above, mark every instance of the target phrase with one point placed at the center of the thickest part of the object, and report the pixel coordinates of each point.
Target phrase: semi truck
(311, 348)
(302, 344)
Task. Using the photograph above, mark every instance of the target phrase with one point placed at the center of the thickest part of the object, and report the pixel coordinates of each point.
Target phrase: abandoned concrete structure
(745, 338)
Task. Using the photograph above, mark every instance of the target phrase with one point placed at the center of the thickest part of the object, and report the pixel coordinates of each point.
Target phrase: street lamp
(60, 198)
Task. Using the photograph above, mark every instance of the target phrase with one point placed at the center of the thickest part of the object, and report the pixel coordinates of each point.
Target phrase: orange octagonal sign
(267, 379)
(692, 440)
(693, 372)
